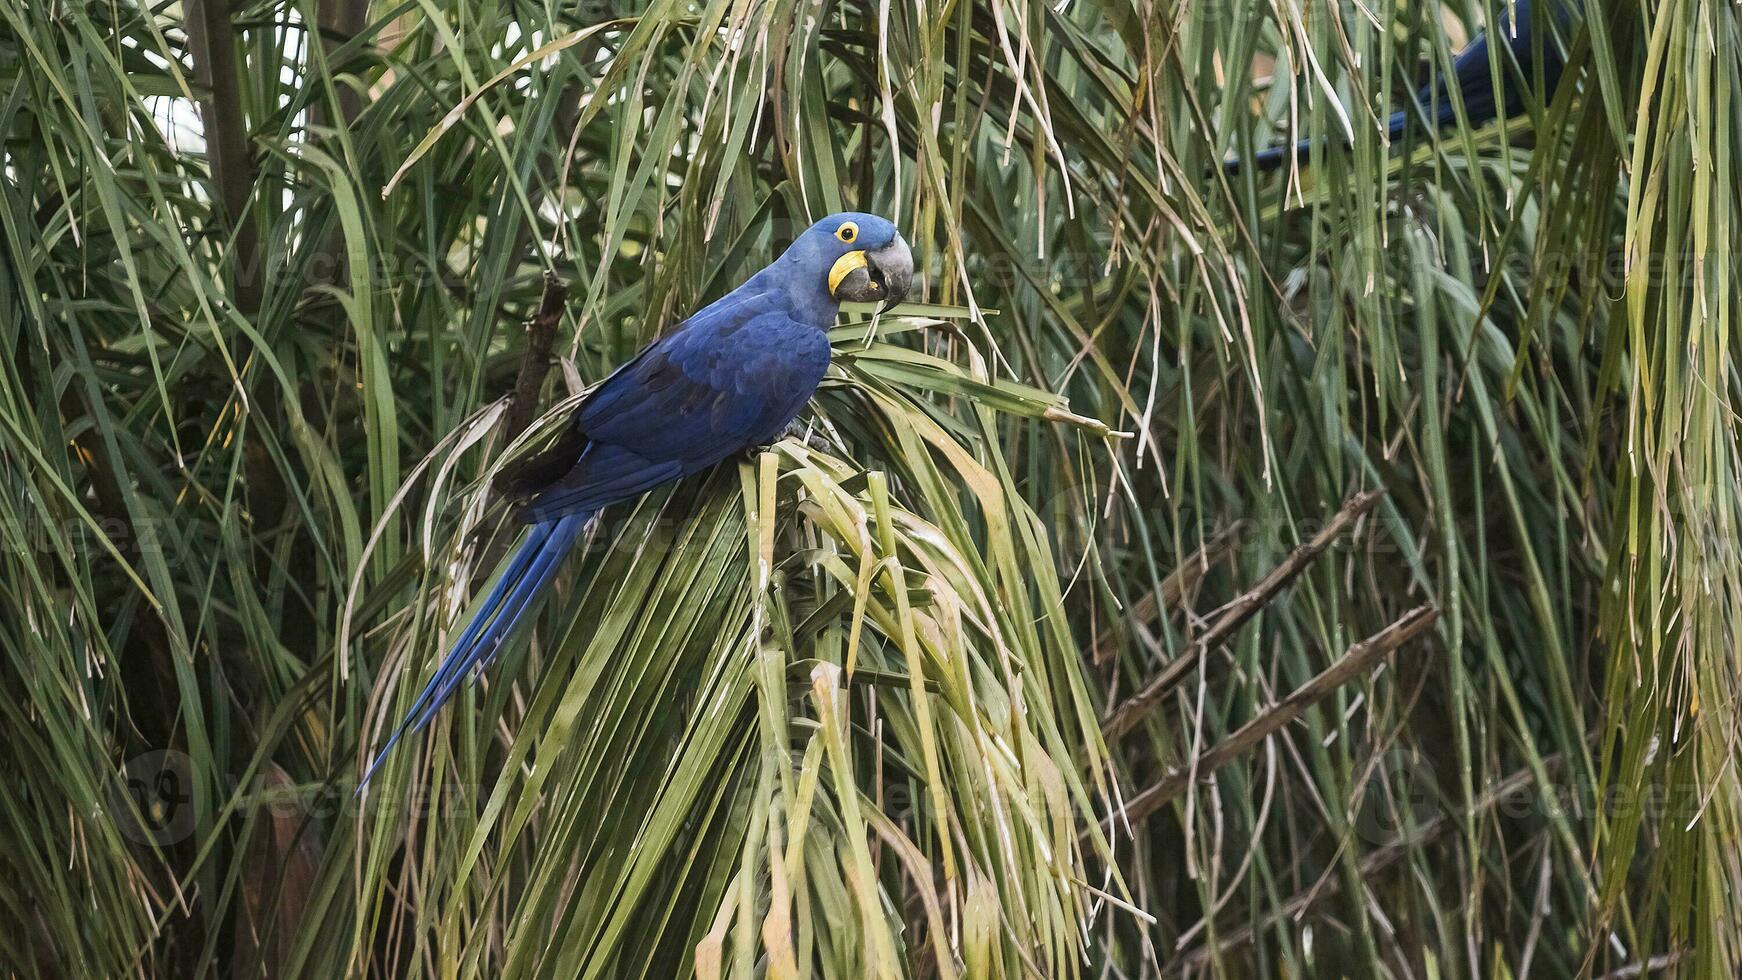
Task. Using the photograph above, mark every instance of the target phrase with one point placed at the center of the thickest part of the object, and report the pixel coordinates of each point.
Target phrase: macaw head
(858, 258)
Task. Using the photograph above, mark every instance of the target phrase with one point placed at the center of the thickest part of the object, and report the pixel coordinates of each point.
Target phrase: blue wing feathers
(604, 475)
(731, 377)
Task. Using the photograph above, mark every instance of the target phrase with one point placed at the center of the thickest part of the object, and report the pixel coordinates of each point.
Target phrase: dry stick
(341, 21)
(211, 34)
(540, 340)
(1127, 715)
(523, 400)
(1173, 588)
(1351, 664)
(1370, 865)
(1655, 964)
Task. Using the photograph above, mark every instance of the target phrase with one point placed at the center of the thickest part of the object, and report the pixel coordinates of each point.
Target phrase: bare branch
(1183, 579)
(540, 340)
(212, 38)
(1656, 964)
(341, 21)
(1371, 864)
(1127, 715)
(1350, 665)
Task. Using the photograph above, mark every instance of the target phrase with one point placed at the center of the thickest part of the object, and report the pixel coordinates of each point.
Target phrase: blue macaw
(731, 377)
(1471, 69)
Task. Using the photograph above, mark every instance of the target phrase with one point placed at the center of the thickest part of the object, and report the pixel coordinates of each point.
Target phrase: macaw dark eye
(847, 232)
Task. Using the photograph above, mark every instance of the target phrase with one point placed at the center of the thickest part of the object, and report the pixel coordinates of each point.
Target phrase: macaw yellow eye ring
(847, 232)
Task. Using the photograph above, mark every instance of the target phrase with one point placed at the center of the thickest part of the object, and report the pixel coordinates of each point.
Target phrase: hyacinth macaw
(1471, 72)
(730, 378)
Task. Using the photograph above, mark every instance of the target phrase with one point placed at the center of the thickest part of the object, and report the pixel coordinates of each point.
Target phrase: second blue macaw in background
(1472, 72)
(730, 378)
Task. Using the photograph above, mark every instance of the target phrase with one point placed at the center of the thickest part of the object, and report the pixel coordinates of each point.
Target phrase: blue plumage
(1471, 72)
(729, 378)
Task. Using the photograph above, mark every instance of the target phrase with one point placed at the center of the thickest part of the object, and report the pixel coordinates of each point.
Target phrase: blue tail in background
(1273, 157)
(1472, 75)
(517, 594)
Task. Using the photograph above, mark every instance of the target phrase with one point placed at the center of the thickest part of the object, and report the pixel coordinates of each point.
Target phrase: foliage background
(235, 524)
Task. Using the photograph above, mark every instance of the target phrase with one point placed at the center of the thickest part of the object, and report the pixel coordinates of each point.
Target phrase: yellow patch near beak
(844, 266)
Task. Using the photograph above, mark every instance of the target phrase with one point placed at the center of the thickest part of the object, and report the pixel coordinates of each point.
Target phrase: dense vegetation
(1440, 439)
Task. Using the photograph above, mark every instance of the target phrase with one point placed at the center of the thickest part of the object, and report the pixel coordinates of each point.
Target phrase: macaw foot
(806, 432)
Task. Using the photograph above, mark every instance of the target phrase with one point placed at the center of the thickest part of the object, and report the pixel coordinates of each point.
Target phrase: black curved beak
(884, 278)
(893, 266)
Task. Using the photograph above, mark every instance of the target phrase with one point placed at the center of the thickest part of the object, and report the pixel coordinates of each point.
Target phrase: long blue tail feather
(517, 594)
(1273, 157)
(1471, 75)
